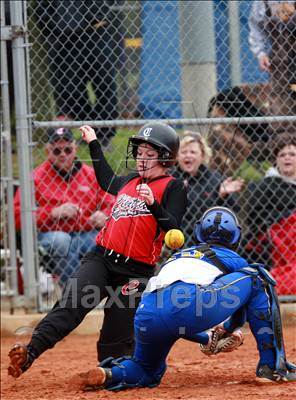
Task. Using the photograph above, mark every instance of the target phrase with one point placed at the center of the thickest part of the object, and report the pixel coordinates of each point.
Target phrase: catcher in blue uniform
(198, 289)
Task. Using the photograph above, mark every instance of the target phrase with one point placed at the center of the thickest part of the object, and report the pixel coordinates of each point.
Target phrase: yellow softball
(174, 238)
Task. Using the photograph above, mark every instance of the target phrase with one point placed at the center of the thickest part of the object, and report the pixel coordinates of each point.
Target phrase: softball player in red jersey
(149, 202)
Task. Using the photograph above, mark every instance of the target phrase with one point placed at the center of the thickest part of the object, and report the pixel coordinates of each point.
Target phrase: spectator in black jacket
(272, 216)
(206, 188)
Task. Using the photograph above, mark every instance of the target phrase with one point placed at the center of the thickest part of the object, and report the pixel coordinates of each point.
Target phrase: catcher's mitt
(20, 360)
(221, 341)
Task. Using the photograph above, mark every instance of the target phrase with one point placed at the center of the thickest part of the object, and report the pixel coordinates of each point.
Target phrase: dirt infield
(190, 374)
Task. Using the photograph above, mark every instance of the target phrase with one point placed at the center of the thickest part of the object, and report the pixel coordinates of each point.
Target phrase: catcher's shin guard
(21, 358)
(284, 370)
(282, 367)
(221, 341)
(133, 374)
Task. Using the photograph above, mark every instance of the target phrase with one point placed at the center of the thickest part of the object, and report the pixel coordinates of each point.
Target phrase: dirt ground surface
(190, 374)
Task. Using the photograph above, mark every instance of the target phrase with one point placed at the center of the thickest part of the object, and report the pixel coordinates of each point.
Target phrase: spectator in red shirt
(71, 206)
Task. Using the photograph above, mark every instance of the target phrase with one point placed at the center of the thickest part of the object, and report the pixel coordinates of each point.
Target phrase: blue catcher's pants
(184, 310)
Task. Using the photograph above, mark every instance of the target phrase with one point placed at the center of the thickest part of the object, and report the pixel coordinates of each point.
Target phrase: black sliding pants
(98, 277)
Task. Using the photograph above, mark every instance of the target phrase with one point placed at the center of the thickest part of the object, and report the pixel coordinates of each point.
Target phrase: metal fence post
(234, 43)
(197, 60)
(6, 135)
(23, 134)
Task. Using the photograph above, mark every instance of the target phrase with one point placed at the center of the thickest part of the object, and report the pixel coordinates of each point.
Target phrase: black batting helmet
(160, 136)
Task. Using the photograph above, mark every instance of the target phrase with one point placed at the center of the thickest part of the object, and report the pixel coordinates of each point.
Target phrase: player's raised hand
(88, 134)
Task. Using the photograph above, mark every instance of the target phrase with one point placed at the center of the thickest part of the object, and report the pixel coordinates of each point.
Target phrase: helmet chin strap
(145, 169)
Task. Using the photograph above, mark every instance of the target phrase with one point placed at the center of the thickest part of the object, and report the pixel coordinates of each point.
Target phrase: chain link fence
(224, 71)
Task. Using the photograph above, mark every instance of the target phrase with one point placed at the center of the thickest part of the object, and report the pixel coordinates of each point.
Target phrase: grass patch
(116, 154)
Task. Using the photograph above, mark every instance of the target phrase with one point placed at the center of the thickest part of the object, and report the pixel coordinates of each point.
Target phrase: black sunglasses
(57, 151)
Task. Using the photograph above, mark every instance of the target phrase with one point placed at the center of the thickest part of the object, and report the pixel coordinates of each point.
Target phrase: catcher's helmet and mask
(161, 137)
(218, 225)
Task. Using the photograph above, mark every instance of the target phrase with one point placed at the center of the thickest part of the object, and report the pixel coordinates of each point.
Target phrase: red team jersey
(132, 230)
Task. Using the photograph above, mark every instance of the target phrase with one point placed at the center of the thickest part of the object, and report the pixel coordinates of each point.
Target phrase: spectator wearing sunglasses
(70, 205)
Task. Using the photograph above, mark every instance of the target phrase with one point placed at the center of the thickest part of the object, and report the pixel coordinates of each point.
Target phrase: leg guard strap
(127, 372)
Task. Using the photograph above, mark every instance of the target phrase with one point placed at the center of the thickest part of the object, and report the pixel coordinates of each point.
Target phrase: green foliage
(252, 172)
(116, 151)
